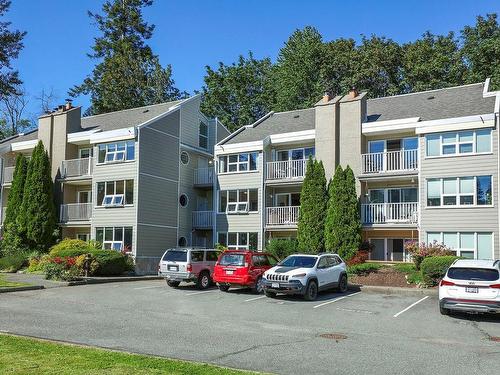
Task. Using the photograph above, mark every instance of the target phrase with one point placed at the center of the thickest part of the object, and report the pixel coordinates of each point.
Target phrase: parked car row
(301, 274)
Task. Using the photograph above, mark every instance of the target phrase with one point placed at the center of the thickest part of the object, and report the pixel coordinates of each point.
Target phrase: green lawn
(9, 284)
(19, 355)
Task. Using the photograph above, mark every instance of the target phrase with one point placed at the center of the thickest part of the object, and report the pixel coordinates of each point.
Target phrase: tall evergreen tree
(128, 74)
(352, 219)
(313, 199)
(239, 93)
(37, 219)
(334, 212)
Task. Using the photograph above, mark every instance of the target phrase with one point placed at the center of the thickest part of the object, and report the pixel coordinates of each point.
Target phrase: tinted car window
(232, 260)
(298, 261)
(196, 256)
(473, 274)
(324, 262)
(260, 260)
(212, 256)
(175, 256)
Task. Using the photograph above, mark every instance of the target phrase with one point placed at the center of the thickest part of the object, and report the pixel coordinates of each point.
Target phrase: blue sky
(191, 34)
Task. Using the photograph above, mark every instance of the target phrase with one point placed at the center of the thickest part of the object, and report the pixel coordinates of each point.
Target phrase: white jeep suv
(306, 275)
(471, 286)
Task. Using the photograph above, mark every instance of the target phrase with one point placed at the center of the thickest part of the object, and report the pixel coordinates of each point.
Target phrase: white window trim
(458, 194)
(237, 246)
(290, 151)
(113, 242)
(238, 163)
(289, 198)
(89, 149)
(386, 193)
(89, 192)
(115, 161)
(114, 196)
(457, 144)
(459, 249)
(202, 135)
(237, 203)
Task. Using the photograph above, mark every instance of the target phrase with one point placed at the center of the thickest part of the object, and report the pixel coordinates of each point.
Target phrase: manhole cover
(333, 336)
(495, 338)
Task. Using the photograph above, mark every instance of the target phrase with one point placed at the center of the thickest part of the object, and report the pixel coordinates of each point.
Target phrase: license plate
(275, 285)
(470, 289)
(173, 268)
(229, 272)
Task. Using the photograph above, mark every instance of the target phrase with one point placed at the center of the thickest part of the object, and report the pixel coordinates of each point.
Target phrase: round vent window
(183, 200)
(182, 242)
(184, 157)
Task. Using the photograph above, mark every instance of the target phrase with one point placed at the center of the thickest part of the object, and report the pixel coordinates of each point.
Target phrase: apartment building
(426, 167)
(139, 180)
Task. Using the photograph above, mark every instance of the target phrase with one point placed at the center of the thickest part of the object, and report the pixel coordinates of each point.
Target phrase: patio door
(377, 159)
(84, 197)
(395, 249)
(410, 156)
(378, 252)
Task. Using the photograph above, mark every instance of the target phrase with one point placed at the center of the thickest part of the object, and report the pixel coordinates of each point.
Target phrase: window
(115, 193)
(197, 256)
(116, 152)
(212, 256)
(459, 191)
(83, 236)
(203, 135)
(85, 153)
(115, 238)
(183, 200)
(471, 245)
(459, 143)
(238, 240)
(295, 154)
(238, 162)
(184, 158)
(238, 201)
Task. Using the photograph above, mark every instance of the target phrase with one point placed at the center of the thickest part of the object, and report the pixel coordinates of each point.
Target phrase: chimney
(68, 104)
(326, 97)
(353, 92)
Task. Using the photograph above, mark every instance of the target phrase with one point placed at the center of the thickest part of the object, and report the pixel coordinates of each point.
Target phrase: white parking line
(334, 300)
(150, 287)
(255, 298)
(409, 307)
(202, 292)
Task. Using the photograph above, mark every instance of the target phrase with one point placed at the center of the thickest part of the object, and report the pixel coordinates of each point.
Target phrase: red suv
(242, 268)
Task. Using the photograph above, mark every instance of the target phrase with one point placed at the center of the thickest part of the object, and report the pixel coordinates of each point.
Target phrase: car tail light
(495, 286)
(189, 268)
(446, 283)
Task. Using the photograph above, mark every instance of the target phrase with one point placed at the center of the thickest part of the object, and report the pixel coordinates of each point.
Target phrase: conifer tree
(352, 220)
(334, 214)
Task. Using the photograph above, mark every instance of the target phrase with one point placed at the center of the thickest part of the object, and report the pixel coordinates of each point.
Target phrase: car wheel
(311, 291)
(203, 280)
(173, 284)
(342, 288)
(444, 311)
(258, 287)
(223, 288)
(270, 294)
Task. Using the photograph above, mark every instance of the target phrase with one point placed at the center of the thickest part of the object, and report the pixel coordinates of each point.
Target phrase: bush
(434, 268)
(37, 264)
(363, 268)
(111, 263)
(281, 248)
(59, 268)
(73, 248)
(421, 251)
(13, 262)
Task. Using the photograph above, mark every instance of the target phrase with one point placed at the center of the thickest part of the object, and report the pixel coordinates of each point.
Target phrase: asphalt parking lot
(353, 333)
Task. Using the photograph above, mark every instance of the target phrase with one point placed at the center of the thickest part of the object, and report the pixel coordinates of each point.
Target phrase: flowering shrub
(61, 268)
(421, 251)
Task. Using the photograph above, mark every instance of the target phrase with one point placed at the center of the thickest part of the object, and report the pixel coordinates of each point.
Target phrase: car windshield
(298, 261)
(232, 260)
(175, 256)
(476, 274)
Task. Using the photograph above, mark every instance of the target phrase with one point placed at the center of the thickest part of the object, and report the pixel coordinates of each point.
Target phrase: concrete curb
(118, 279)
(393, 290)
(21, 288)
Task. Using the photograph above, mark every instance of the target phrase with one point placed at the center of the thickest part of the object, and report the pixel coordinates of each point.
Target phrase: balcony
(286, 216)
(286, 171)
(391, 162)
(75, 212)
(203, 219)
(77, 168)
(8, 175)
(204, 177)
(389, 213)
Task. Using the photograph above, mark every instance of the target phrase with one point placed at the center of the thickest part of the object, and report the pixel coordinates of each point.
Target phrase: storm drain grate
(495, 338)
(333, 336)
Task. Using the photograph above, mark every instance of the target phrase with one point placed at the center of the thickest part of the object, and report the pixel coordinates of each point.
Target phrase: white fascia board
(238, 147)
(293, 137)
(457, 123)
(390, 126)
(24, 145)
(113, 135)
(79, 138)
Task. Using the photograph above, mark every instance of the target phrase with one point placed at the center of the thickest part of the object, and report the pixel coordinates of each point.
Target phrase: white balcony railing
(76, 168)
(288, 169)
(287, 215)
(391, 161)
(204, 176)
(8, 174)
(383, 213)
(203, 219)
(76, 212)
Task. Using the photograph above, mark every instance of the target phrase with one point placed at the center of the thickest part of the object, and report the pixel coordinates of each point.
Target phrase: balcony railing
(76, 168)
(284, 170)
(75, 212)
(390, 161)
(385, 213)
(287, 215)
(8, 174)
(203, 219)
(204, 176)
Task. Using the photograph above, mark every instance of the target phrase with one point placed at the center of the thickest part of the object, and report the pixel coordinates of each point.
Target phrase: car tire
(311, 291)
(203, 281)
(173, 284)
(270, 294)
(223, 288)
(444, 311)
(342, 288)
(258, 288)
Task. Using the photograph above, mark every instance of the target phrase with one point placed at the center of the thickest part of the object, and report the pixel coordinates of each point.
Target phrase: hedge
(281, 248)
(73, 248)
(363, 268)
(434, 268)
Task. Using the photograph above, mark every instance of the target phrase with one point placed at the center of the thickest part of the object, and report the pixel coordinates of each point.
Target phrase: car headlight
(298, 275)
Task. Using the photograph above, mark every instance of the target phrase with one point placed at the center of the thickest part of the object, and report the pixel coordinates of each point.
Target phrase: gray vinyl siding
(471, 219)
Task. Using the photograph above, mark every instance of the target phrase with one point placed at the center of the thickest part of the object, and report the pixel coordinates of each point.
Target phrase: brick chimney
(353, 92)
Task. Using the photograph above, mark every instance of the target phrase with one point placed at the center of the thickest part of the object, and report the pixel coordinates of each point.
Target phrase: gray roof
(277, 123)
(432, 105)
